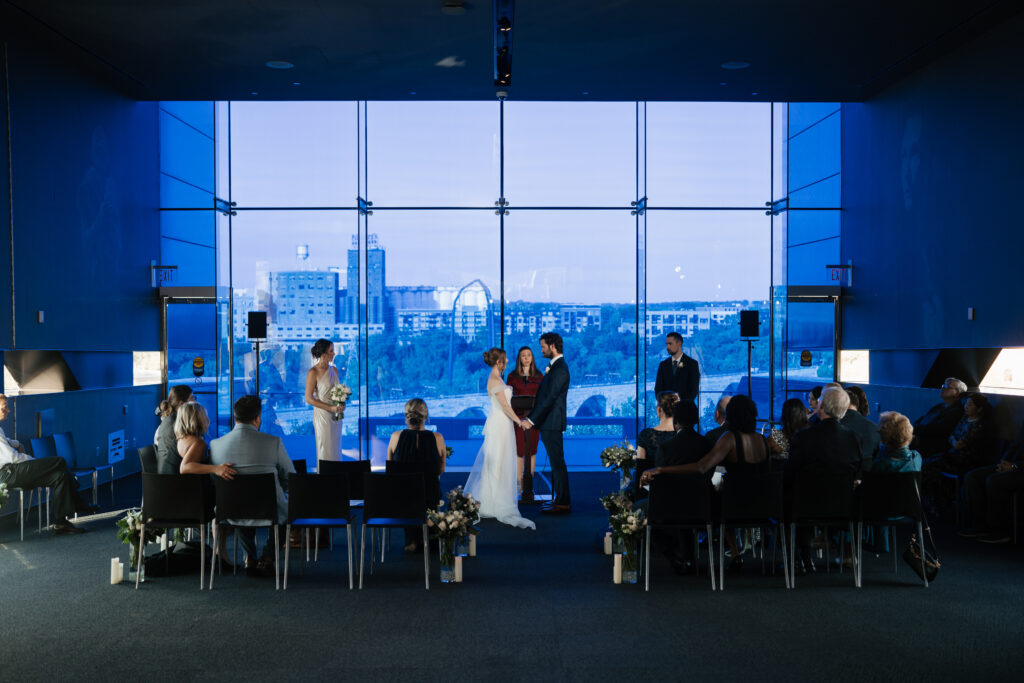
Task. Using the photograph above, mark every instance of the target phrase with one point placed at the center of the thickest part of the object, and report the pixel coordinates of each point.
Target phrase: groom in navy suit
(548, 415)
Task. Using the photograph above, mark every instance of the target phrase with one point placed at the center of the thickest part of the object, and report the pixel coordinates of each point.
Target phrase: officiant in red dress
(525, 381)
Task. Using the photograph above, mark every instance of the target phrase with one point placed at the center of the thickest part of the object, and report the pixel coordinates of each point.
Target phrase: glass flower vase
(630, 559)
(133, 567)
(462, 546)
(447, 554)
(625, 479)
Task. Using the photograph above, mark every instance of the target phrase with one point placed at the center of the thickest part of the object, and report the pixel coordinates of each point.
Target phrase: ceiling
(798, 50)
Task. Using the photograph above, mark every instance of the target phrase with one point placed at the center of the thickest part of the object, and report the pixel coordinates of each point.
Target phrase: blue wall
(85, 205)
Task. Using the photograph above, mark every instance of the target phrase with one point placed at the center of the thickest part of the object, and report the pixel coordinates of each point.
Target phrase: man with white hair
(932, 430)
(827, 446)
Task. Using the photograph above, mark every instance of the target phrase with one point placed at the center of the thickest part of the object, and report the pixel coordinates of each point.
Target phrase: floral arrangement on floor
(628, 522)
(128, 533)
(457, 499)
(339, 394)
(4, 495)
(616, 502)
(621, 459)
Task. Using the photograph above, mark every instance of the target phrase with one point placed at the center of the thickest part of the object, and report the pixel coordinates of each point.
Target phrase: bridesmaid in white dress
(319, 380)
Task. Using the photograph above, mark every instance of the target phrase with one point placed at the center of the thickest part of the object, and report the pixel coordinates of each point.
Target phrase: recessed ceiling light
(450, 61)
(754, 94)
(412, 92)
(453, 8)
(254, 93)
(586, 92)
(296, 83)
(723, 83)
(279, 64)
(735, 64)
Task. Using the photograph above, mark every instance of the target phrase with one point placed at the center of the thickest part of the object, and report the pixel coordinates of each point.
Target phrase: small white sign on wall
(115, 446)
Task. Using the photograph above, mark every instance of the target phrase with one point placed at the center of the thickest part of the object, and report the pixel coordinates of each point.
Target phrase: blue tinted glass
(814, 153)
(196, 264)
(804, 114)
(809, 226)
(823, 194)
(175, 193)
(191, 326)
(199, 115)
(189, 226)
(807, 262)
(185, 153)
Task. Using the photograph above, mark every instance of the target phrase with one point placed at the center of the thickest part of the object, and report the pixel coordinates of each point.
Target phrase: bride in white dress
(493, 479)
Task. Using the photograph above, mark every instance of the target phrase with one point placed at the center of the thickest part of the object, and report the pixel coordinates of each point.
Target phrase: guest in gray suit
(253, 452)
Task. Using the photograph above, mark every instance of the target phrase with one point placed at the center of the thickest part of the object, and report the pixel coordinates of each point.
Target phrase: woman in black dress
(419, 445)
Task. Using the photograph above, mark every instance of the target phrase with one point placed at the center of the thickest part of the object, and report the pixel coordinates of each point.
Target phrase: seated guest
(167, 459)
(966, 450)
(190, 426)
(864, 428)
(815, 417)
(794, 419)
(248, 451)
(649, 439)
(826, 447)
(417, 444)
(894, 455)
(989, 493)
(720, 417)
(686, 445)
(932, 430)
(742, 451)
(813, 396)
(18, 470)
(862, 400)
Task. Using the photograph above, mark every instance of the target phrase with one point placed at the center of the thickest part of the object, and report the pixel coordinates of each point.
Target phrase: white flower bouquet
(4, 495)
(619, 457)
(128, 529)
(338, 395)
(628, 522)
(447, 524)
(466, 504)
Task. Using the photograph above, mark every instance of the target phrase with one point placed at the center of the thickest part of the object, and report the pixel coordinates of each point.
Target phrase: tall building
(303, 298)
(376, 308)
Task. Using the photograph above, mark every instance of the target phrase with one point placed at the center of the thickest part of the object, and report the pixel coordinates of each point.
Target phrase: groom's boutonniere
(547, 368)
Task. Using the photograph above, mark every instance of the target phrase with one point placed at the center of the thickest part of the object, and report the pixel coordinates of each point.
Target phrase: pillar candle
(472, 545)
(458, 569)
(115, 571)
(163, 541)
(608, 543)
(617, 569)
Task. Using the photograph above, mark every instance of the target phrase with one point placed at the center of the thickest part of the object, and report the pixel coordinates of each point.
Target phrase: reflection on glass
(854, 366)
(1006, 376)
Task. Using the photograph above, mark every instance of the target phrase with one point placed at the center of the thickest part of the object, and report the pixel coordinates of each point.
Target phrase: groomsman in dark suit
(549, 416)
(678, 372)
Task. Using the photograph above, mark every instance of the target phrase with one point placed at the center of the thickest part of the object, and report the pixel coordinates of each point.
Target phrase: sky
(578, 157)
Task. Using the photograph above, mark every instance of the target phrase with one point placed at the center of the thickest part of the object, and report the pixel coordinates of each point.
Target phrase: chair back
(394, 495)
(176, 498)
(300, 467)
(888, 495)
(823, 496)
(249, 497)
(43, 447)
(355, 469)
(680, 499)
(318, 496)
(752, 498)
(430, 482)
(64, 443)
(147, 458)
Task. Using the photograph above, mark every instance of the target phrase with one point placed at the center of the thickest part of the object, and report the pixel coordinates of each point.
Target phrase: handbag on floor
(912, 555)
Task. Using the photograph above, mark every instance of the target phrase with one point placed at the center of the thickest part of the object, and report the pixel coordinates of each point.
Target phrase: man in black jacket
(678, 372)
(687, 445)
(549, 415)
(932, 430)
(867, 430)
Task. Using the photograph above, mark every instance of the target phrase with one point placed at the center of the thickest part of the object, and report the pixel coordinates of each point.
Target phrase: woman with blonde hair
(417, 444)
(190, 427)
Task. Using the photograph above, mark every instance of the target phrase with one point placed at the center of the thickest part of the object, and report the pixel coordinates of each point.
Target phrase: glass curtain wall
(376, 225)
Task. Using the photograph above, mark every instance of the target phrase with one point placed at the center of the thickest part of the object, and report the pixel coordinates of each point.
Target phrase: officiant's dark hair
(247, 409)
(320, 348)
(534, 372)
(493, 355)
(552, 339)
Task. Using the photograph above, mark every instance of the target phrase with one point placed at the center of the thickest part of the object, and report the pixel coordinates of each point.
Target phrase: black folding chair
(680, 501)
(355, 469)
(250, 498)
(147, 459)
(314, 501)
(300, 466)
(751, 502)
(64, 444)
(176, 501)
(394, 501)
(887, 499)
(821, 499)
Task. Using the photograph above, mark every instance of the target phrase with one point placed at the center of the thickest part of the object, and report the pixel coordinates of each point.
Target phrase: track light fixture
(504, 13)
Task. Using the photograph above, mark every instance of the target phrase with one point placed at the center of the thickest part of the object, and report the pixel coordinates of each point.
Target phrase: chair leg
(721, 557)
(362, 550)
(95, 488)
(792, 555)
(277, 556)
(853, 558)
(828, 552)
(711, 556)
(647, 560)
(426, 559)
(316, 548)
(215, 554)
(202, 552)
(920, 542)
(892, 549)
(287, 552)
(138, 569)
(21, 511)
(234, 553)
(785, 563)
(348, 530)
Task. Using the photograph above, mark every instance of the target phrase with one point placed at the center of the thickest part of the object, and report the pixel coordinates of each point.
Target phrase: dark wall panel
(5, 216)
(85, 167)
(931, 180)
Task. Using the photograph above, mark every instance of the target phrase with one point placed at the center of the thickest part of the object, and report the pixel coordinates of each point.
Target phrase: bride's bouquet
(338, 395)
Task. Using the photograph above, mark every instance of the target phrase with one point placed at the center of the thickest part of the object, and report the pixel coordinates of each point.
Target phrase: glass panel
(780, 146)
(806, 263)
(805, 114)
(293, 154)
(811, 226)
(198, 115)
(823, 194)
(296, 266)
(192, 353)
(585, 291)
(814, 154)
(433, 153)
(196, 263)
(703, 268)
(185, 153)
(570, 153)
(708, 154)
(197, 227)
(811, 341)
